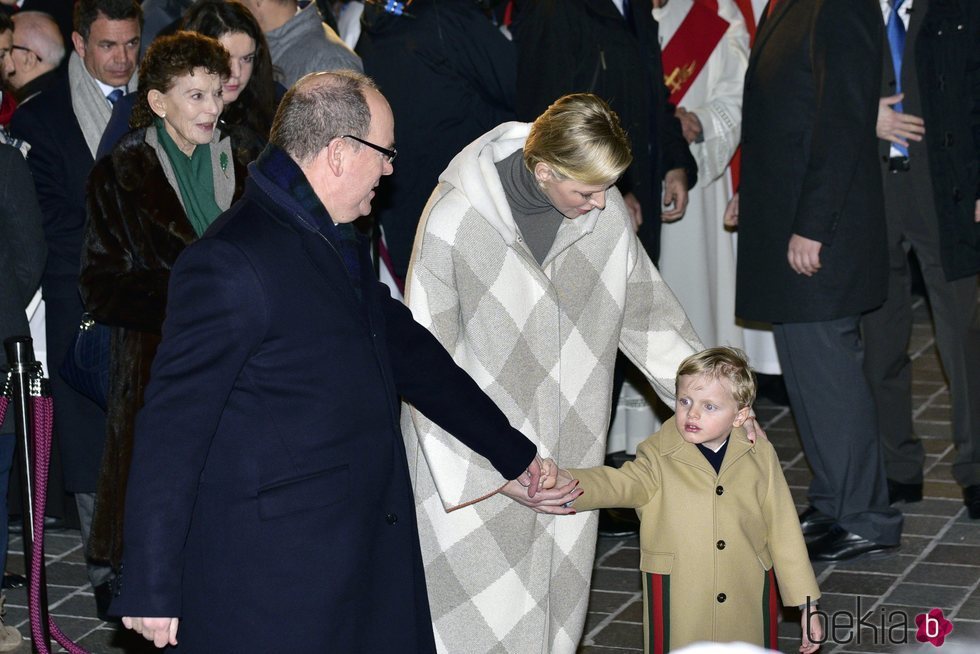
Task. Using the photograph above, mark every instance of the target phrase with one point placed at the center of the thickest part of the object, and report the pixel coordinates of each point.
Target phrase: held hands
(543, 493)
(812, 632)
(895, 126)
(531, 478)
(162, 631)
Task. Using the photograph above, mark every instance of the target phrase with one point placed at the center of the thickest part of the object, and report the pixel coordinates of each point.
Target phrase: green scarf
(195, 180)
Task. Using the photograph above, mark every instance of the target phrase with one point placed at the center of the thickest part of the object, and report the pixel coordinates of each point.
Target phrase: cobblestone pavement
(938, 565)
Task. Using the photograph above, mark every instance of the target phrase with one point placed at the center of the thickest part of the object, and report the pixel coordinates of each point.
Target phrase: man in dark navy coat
(269, 506)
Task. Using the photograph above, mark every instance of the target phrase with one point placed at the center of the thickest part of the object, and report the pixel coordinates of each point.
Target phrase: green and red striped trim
(770, 609)
(656, 588)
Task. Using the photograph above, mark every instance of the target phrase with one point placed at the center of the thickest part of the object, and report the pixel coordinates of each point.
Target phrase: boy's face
(706, 410)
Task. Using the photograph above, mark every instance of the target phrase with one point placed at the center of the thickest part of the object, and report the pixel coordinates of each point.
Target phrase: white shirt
(903, 12)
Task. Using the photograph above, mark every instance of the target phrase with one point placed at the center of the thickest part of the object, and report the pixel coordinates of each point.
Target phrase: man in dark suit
(63, 125)
(611, 49)
(932, 208)
(269, 505)
(811, 249)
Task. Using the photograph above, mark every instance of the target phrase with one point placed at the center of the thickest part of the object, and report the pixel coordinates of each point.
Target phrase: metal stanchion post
(25, 382)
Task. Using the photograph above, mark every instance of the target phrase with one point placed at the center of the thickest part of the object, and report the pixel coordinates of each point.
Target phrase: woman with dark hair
(250, 93)
(160, 189)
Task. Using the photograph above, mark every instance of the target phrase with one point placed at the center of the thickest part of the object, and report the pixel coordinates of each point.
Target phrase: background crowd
(791, 170)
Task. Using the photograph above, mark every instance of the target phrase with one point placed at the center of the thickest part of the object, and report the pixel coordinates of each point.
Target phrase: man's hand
(552, 500)
(731, 212)
(804, 255)
(690, 124)
(812, 631)
(531, 478)
(634, 210)
(675, 193)
(897, 127)
(162, 631)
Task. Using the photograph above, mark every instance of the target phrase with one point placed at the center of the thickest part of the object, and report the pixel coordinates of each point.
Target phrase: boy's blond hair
(723, 363)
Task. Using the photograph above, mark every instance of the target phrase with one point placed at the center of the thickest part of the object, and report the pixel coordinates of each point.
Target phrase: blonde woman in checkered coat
(527, 269)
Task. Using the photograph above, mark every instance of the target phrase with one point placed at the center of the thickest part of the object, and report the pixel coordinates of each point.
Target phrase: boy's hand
(549, 474)
(812, 632)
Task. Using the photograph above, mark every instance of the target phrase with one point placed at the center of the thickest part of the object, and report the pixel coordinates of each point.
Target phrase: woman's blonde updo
(579, 137)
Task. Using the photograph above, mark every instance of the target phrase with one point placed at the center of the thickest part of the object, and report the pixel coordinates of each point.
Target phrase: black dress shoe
(618, 523)
(971, 497)
(901, 492)
(838, 544)
(14, 581)
(814, 523)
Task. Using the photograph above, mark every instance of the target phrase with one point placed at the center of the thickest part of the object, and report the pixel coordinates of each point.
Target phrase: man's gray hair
(319, 108)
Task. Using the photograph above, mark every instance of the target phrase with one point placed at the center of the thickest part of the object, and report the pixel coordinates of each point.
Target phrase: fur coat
(135, 230)
(541, 341)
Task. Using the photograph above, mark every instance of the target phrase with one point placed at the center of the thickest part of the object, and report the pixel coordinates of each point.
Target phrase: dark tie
(896, 43)
(114, 95)
(628, 16)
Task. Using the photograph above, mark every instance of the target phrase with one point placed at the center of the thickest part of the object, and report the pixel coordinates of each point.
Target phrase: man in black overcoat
(811, 249)
(593, 46)
(932, 206)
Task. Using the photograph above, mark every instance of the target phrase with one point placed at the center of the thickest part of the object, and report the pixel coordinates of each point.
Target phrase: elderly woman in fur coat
(527, 269)
(161, 188)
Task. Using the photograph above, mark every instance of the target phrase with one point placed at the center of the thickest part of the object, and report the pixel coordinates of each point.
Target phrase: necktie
(772, 7)
(896, 43)
(114, 95)
(628, 16)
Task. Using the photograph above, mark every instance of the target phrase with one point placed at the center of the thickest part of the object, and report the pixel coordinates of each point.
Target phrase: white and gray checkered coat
(541, 341)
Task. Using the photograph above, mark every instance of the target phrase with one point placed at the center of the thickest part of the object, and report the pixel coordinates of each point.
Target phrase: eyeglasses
(20, 47)
(389, 155)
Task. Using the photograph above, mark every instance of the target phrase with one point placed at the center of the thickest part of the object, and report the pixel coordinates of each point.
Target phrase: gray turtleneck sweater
(536, 218)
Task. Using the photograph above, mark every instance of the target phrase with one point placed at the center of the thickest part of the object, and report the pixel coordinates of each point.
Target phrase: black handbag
(86, 364)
